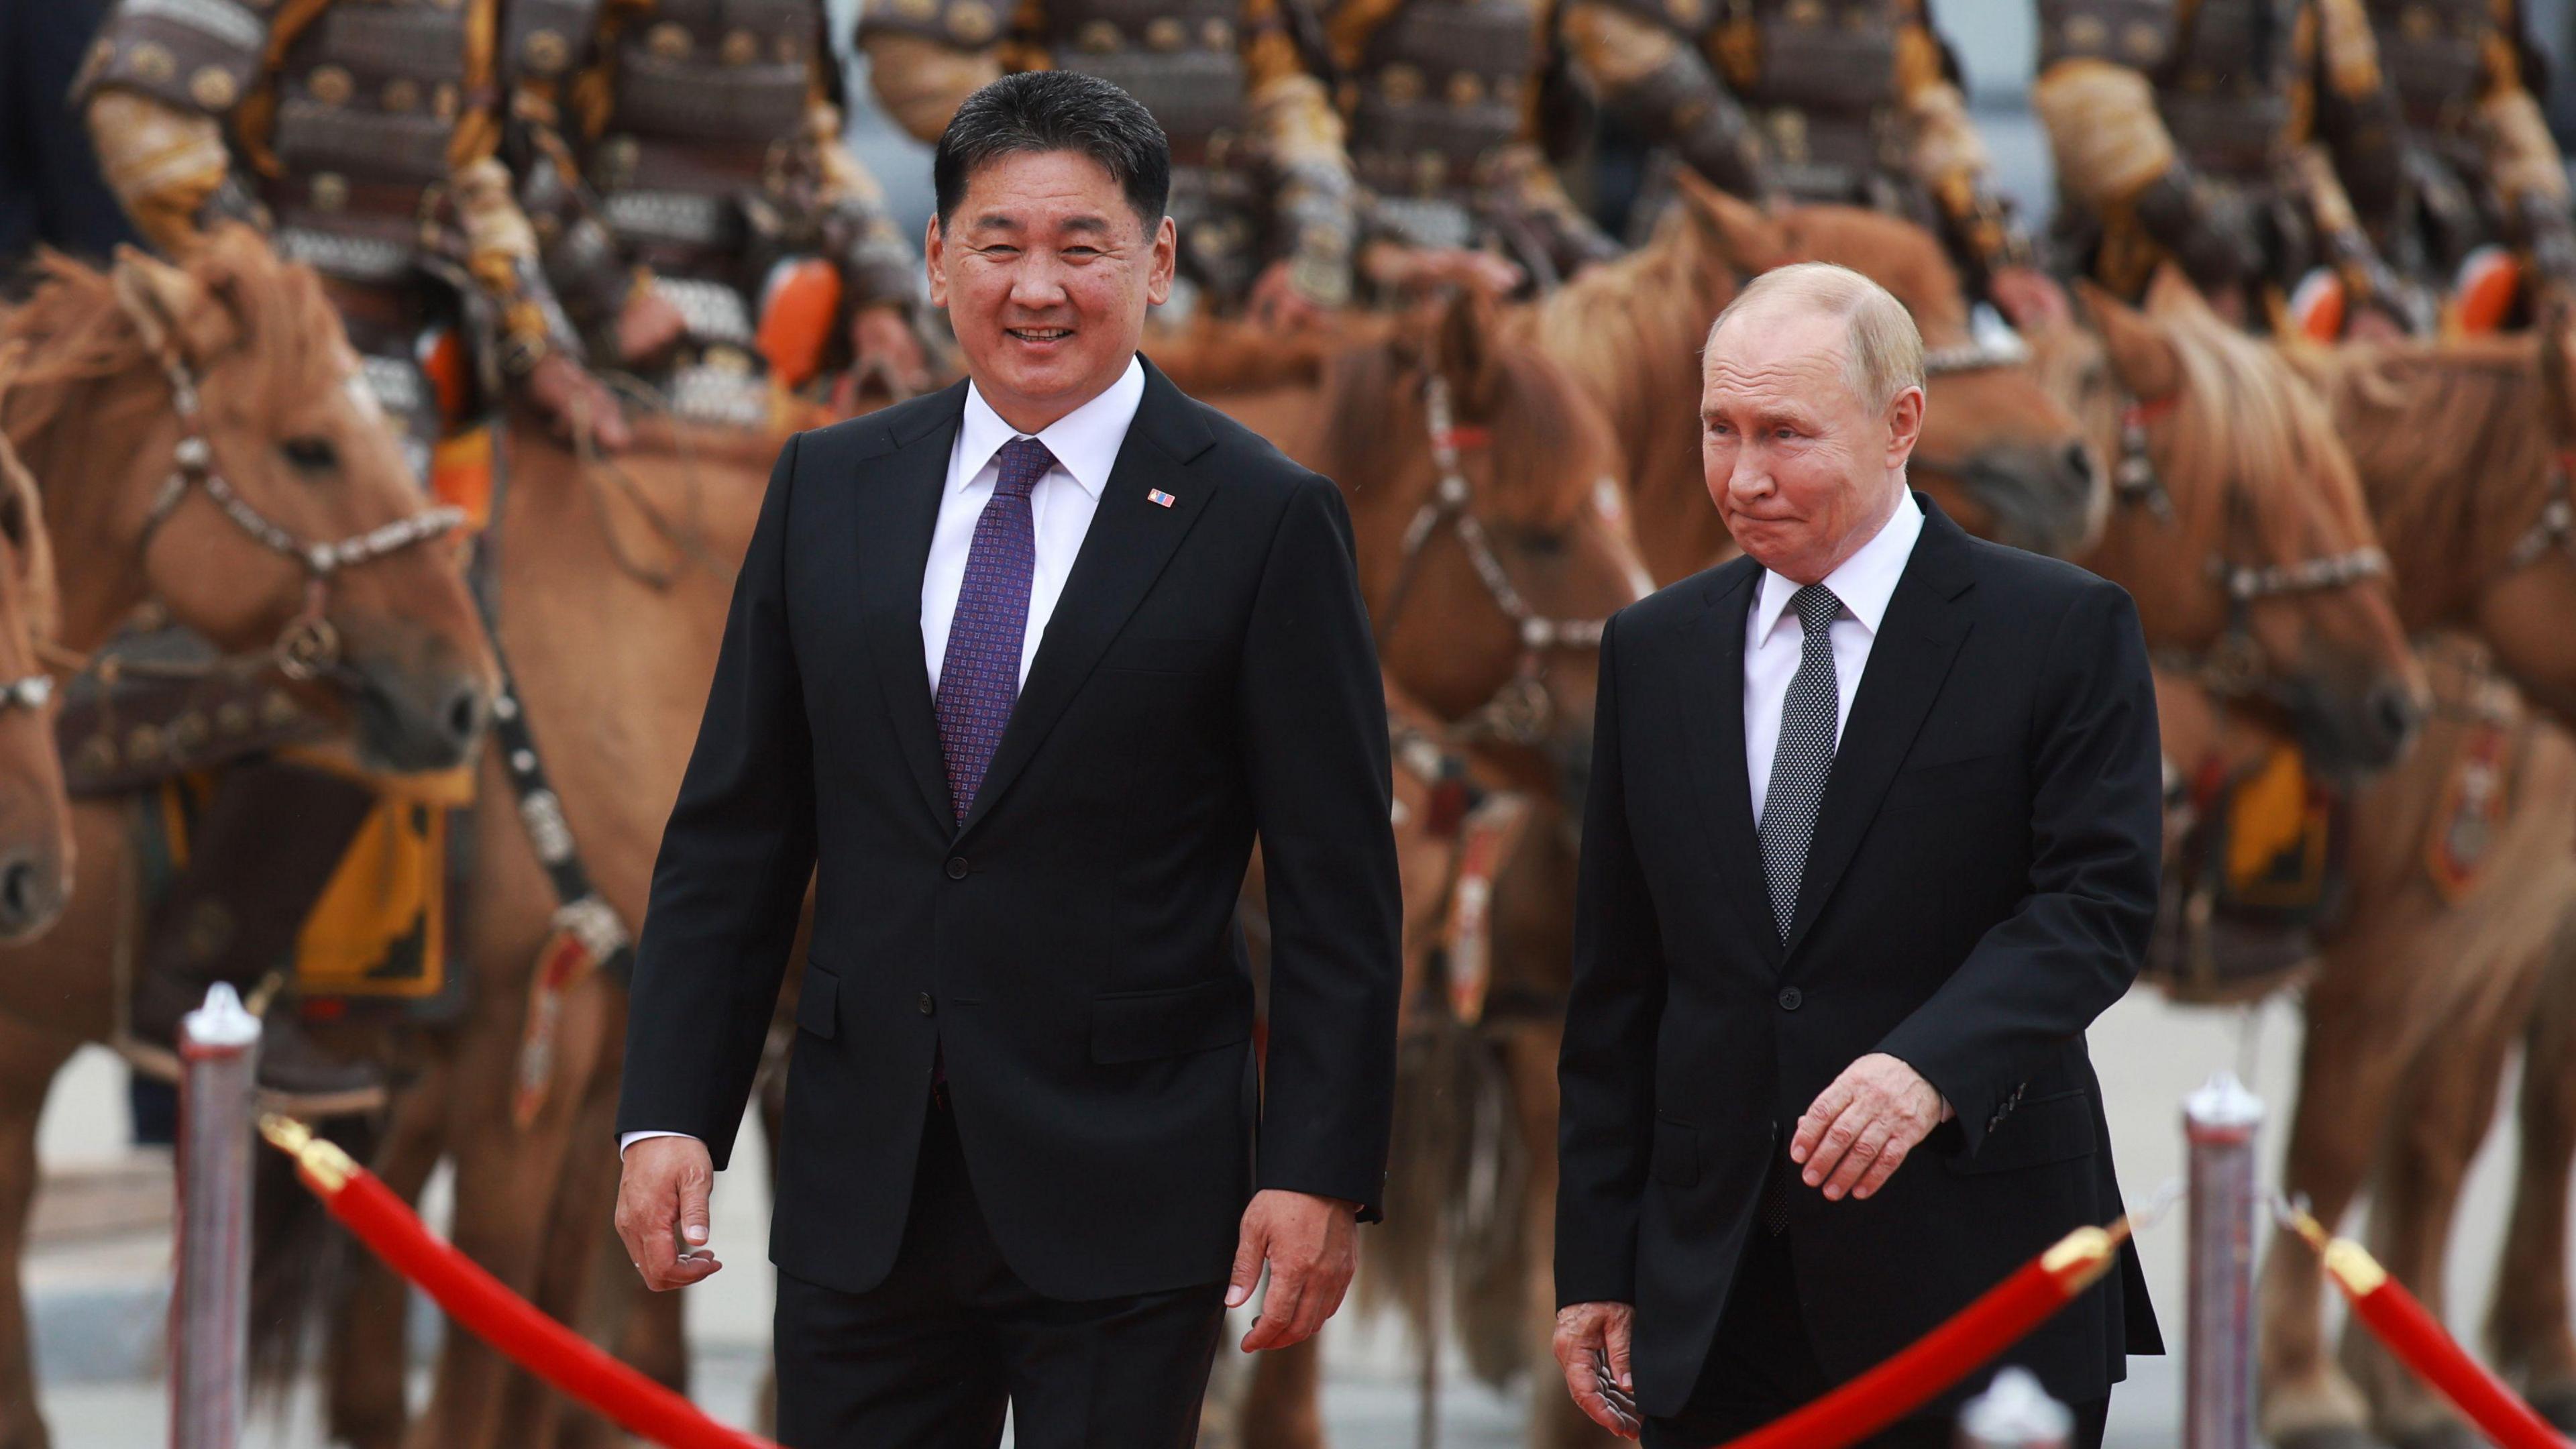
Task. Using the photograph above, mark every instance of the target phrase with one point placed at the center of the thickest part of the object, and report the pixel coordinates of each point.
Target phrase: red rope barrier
(2400, 1321)
(1915, 1376)
(476, 1300)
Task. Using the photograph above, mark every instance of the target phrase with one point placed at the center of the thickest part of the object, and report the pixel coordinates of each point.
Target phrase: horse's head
(224, 449)
(1486, 493)
(2239, 525)
(2003, 456)
(35, 814)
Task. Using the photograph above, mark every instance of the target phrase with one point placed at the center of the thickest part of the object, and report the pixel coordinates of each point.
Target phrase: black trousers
(1761, 1366)
(928, 1358)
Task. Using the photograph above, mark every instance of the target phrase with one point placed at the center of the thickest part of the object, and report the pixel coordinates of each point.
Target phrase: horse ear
(1462, 348)
(170, 307)
(2139, 351)
(1750, 240)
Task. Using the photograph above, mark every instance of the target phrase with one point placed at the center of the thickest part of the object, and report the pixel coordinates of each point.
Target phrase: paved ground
(98, 1306)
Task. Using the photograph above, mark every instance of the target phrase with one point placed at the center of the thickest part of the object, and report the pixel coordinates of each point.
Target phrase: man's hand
(882, 342)
(1588, 1334)
(1401, 268)
(1277, 304)
(574, 403)
(1311, 1245)
(647, 327)
(1861, 1128)
(2030, 299)
(661, 1202)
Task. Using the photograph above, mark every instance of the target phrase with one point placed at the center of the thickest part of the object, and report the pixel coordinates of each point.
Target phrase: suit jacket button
(1789, 998)
(926, 1004)
(956, 867)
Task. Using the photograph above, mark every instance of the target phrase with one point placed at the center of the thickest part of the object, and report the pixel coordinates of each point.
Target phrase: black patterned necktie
(1804, 756)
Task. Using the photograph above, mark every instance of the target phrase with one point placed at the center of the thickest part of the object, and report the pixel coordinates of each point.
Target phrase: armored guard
(700, 142)
(2477, 209)
(367, 137)
(2213, 133)
(1261, 187)
(1441, 97)
(1849, 101)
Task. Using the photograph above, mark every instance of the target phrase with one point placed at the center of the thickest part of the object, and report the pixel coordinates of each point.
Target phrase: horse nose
(2079, 469)
(31, 893)
(463, 715)
(2394, 715)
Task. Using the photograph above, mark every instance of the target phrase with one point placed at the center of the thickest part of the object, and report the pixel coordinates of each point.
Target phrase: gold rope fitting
(324, 1162)
(2354, 1268)
(2087, 1253)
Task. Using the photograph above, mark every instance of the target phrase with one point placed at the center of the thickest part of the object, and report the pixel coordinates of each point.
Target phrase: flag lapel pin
(1159, 498)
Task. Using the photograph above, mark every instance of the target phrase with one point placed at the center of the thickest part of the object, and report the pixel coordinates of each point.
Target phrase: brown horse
(1485, 496)
(1997, 449)
(35, 814)
(2460, 446)
(291, 435)
(2240, 526)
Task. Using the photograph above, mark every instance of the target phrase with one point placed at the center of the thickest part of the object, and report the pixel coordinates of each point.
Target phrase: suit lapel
(1130, 540)
(897, 509)
(1713, 695)
(1918, 638)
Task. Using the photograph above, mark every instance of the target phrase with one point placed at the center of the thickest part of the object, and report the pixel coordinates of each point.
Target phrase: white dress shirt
(1774, 638)
(1085, 443)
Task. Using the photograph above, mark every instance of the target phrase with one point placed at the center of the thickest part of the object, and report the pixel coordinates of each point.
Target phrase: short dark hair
(1056, 110)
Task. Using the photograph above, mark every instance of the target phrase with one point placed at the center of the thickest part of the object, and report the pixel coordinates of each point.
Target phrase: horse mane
(74, 331)
(1548, 442)
(2418, 416)
(1655, 302)
(2245, 417)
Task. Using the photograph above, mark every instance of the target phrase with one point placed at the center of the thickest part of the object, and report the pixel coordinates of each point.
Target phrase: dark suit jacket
(1206, 675)
(1979, 888)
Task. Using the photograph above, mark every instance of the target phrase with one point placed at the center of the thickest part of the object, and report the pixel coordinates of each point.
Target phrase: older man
(1871, 839)
(1016, 672)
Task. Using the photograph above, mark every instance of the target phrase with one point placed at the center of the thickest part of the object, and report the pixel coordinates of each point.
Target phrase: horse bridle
(2234, 665)
(308, 645)
(1521, 711)
(2556, 525)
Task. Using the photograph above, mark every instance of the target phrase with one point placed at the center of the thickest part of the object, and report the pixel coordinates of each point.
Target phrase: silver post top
(2222, 1101)
(222, 1021)
(2015, 1411)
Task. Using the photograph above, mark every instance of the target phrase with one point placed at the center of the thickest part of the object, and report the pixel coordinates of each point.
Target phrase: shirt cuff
(631, 1138)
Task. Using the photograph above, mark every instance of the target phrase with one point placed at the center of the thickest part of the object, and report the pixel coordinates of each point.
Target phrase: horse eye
(311, 455)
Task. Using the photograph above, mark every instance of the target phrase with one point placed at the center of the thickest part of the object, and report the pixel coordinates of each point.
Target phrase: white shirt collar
(1085, 442)
(1864, 582)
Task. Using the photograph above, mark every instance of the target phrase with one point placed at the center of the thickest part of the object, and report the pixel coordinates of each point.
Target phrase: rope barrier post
(210, 1303)
(2219, 1122)
(2015, 1413)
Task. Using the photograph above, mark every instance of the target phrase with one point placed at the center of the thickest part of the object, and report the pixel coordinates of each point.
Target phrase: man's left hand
(1311, 1246)
(1861, 1128)
(1279, 305)
(883, 341)
(2030, 299)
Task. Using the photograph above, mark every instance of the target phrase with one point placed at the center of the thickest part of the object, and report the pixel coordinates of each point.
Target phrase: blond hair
(1883, 352)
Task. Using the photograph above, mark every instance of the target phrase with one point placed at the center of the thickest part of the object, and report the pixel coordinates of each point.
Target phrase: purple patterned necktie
(979, 676)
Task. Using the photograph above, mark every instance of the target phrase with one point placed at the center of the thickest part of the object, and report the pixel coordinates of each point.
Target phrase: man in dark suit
(1871, 840)
(1015, 674)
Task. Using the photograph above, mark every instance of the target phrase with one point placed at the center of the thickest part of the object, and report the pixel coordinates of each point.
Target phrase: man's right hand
(662, 1204)
(1584, 1330)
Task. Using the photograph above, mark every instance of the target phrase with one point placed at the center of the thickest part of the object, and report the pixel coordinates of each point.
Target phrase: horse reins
(2234, 665)
(1520, 711)
(308, 645)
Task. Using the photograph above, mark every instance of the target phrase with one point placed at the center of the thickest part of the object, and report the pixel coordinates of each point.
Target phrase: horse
(1997, 449)
(1493, 540)
(2239, 524)
(35, 812)
(2460, 449)
(290, 534)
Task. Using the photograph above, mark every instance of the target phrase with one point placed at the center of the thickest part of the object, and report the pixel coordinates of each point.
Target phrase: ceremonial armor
(1844, 101)
(2209, 131)
(1258, 169)
(2478, 167)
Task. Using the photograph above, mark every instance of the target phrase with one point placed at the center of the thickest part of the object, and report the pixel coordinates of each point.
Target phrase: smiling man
(1016, 673)
(1871, 840)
